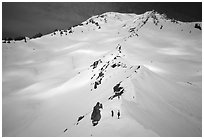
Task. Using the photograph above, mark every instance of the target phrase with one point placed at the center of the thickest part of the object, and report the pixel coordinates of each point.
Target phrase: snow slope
(146, 66)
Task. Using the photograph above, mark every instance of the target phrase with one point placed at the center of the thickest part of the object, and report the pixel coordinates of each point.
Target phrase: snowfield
(147, 67)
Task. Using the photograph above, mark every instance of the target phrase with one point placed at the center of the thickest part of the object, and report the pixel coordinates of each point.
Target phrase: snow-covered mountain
(74, 82)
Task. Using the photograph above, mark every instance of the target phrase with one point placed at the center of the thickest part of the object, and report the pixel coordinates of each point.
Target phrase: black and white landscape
(75, 82)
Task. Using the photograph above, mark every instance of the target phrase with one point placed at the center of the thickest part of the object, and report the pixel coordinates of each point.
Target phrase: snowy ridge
(112, 75)
(122, 97)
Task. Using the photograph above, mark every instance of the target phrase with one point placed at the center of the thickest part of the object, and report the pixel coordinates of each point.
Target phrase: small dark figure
(118, 114)
(112, 113)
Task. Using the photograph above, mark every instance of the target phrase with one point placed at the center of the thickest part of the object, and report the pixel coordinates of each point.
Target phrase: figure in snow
(112, 113)
(118, 114)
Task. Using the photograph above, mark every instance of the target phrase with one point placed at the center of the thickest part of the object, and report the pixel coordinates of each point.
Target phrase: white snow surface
(49, 82)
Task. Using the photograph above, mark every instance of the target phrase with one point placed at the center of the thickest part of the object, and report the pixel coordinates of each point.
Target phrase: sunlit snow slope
(147, 67)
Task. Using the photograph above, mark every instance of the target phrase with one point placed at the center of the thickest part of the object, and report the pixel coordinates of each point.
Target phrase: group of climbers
(96, 114)
(118, 113)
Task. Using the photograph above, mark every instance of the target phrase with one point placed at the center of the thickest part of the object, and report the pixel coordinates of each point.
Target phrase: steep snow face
(112, 75)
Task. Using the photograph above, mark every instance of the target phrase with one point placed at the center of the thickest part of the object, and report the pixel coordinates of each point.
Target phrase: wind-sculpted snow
(112, 75)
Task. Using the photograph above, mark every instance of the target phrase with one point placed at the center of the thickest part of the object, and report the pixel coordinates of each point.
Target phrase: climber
(118, 114)
(112, 113)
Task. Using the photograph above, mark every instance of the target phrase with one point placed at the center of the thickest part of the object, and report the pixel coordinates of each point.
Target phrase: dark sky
(27, 19)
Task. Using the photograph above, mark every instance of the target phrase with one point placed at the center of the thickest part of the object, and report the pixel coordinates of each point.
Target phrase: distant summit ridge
(97, 22)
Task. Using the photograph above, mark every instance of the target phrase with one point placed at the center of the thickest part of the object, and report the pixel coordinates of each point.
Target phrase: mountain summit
(114, 74)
